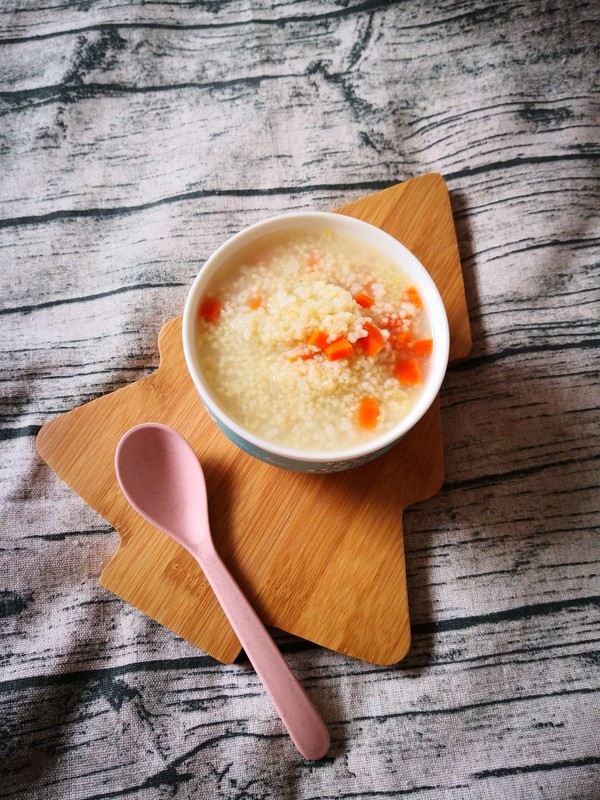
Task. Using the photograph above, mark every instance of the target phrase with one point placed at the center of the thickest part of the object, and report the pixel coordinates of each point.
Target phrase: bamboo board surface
(322, 556)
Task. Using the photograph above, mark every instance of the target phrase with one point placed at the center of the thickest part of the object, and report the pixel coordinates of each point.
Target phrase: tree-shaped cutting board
(319, 556)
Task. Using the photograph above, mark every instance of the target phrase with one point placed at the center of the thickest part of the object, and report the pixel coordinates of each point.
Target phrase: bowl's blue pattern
(296, 465)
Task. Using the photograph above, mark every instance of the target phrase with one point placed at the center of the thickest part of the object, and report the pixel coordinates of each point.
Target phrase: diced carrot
(301, 355)
(256, 302)
(373, 341)
(403, 340)
(414, 297)
(363, 299)
(210, 309)
(318, 339)
(340, 348)
(422, 347)
(408, 372)
(311, 261)
(368, 412)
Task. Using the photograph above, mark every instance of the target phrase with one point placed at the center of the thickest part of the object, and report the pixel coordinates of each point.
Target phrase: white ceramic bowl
(315, 461)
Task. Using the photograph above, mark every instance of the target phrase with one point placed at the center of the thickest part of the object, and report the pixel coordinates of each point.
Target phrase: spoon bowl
(161, 477)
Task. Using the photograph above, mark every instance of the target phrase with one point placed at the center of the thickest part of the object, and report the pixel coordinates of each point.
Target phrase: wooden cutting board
(320, 556)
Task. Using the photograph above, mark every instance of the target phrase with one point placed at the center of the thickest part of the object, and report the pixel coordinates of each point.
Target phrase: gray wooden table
(134, 138)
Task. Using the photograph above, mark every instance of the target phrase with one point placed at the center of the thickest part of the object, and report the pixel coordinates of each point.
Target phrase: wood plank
(550, 718)
(344, 94)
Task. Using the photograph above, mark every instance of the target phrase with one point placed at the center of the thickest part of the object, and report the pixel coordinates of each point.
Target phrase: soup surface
(313, 340)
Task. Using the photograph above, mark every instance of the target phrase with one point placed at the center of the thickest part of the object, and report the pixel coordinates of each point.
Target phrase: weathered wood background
(135, 137)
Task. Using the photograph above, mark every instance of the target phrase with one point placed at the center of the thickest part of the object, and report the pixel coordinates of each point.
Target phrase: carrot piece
(303, 355)
(373, 341)
(403, 340)
(256, 302)
(340, 348)
(423, 347)
(363, 299)
(414, 297)
(318, 339)
(368, 412)
(311, 261)
(210, 309)
(408, 372)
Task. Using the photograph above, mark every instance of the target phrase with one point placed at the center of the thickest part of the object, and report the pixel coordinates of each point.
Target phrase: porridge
(313, 340)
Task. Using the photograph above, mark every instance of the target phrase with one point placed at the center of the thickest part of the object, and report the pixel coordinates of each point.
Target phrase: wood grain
(318, 556)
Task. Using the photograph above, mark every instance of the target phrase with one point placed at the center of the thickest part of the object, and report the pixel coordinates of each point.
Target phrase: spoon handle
(300, 717)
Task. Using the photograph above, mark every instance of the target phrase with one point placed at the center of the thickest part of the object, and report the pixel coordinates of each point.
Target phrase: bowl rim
(370, 234)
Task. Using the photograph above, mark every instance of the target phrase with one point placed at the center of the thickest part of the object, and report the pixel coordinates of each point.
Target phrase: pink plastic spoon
(161, 477)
